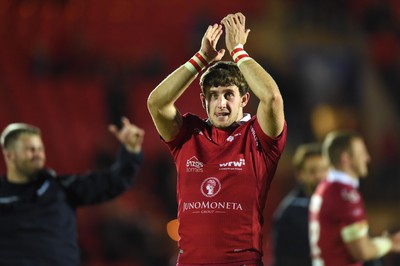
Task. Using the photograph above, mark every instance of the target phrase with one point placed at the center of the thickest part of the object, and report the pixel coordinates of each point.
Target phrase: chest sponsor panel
(195, 165)
(217, 194)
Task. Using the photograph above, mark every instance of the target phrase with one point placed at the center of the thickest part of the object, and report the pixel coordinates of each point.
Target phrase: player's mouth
(222, 114)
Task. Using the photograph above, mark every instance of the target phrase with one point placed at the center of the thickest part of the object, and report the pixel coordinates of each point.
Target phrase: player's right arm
(362, 247)
(161, 101)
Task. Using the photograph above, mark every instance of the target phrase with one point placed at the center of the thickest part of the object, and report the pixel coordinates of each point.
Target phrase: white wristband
(383, 245)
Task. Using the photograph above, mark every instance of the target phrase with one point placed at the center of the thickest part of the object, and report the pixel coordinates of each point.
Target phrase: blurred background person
(289, 230)
(339, 229)
(38, 207)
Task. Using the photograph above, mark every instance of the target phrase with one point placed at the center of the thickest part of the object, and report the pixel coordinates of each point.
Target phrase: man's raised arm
(161, 101)
(270, 113)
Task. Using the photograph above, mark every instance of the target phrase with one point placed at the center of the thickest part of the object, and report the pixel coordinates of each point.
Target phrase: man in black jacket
(290, 222)
(38, 207)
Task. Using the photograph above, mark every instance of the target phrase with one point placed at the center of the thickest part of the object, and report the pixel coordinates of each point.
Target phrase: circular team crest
(210, 187)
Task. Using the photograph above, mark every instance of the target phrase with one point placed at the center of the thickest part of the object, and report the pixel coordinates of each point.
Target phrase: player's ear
(8, 155)
(345, 158)
(245, 99)
(203, 100)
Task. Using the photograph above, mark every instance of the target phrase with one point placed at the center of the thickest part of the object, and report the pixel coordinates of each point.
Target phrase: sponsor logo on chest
(233, 165)
(209, 188)
(194, 165)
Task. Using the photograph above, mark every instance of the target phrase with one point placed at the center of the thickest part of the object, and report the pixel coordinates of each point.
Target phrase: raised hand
(235, 30)
(129, 135)
(209, 43)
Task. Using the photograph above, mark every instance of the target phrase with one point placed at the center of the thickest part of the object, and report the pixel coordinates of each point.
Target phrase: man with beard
(38, 207)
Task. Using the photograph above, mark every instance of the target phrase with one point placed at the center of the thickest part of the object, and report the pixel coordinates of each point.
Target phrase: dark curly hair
(223, 73)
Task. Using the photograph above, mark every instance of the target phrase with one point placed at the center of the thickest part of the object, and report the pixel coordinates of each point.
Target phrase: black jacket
(290, 230)
(38, 220)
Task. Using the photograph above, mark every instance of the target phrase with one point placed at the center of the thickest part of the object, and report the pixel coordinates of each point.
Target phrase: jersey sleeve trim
(354, 231)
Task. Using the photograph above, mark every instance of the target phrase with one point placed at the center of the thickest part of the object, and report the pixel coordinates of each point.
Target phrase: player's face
(359, 158)
(27, 155)
(224, 105)
(315, 169)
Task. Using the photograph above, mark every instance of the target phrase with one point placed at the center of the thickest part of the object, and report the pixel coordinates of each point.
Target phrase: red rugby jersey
(222, 184)
(335, 204)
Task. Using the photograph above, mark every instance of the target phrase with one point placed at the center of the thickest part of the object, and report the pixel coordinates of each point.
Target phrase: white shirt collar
(246, 117)
(342, 177)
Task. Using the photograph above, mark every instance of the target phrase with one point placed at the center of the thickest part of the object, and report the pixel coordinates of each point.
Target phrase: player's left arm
(270, 113)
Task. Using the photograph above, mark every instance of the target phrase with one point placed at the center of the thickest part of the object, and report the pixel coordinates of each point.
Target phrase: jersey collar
(246, 117)
(342, 177)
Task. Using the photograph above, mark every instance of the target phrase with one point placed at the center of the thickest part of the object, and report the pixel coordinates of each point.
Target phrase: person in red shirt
(225, 163)
(338, 223)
